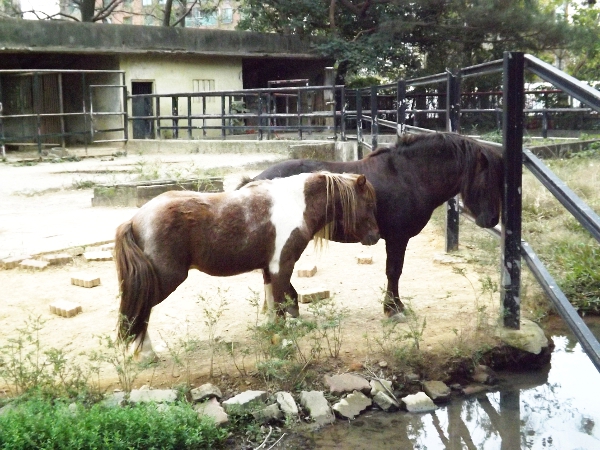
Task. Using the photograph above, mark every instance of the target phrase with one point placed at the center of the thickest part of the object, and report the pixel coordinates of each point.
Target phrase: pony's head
(351, 208)
(481, 190)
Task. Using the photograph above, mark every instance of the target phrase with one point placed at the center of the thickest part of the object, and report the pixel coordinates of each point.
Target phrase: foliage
(398, 38)
(45, 424)
(584, 55)
(25, 365)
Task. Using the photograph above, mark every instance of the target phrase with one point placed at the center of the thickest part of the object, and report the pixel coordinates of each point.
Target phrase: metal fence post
(374, 122)
(359, 136)
(175, 112)
(452, 124)
(513, 100)
(400, 106)
(342, 113)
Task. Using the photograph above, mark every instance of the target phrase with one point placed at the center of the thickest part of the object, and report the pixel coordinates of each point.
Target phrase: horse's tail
(138, 285)
(245, 180)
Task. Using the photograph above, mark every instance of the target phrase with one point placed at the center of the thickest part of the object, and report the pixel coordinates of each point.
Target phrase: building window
(227, 14)
(146, 2)
(204, 86)
(199, 18)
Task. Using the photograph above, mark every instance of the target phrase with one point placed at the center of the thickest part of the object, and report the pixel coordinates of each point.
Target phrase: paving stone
(268, 414)
(13, 261)
(58, 259)
(312, 295)
(65, 308)
(436, 390)
(352, 405)
(212, 408)
(287, 404)
(34, 264)
(245, 402)
(306, 271)
(385, 402)
(346, 383)
(317, 406)
(364, 259)
(442, 258)
(205, 391)
(384, 386)
(418, 402)
(85, 280)
(98, 256)
(76, 251)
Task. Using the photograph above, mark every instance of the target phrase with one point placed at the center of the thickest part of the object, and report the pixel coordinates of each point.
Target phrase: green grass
(40, 423)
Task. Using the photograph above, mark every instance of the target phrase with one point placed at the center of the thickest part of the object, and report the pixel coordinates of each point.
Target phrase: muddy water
(556, 408)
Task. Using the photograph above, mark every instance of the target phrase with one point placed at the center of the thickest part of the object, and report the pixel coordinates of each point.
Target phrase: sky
(47, 6)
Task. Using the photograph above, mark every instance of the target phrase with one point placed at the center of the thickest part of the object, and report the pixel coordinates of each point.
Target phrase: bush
(45, 424)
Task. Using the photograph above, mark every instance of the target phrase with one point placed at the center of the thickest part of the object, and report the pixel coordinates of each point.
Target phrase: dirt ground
(40, 211)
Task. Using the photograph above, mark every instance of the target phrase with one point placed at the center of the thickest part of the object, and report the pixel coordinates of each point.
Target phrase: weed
(83, 184)
(212, 315)
(182, 350)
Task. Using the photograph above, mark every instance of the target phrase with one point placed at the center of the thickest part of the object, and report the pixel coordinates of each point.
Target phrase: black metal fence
(512, 68)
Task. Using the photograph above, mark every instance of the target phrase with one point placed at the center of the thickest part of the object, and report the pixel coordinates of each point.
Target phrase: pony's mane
(344, 184)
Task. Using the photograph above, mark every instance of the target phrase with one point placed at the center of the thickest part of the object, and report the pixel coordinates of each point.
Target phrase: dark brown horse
(265, 225)
(411, 179)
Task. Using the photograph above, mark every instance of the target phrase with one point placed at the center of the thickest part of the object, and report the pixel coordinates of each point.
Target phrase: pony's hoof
(145, 357)
(399, 317)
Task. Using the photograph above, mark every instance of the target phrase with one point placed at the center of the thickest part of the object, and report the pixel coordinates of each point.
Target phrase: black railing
(512, 67)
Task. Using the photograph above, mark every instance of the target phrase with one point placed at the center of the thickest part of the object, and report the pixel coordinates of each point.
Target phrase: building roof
(53, 36)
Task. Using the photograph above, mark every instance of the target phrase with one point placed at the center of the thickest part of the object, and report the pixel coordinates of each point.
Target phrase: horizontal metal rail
(577, 207)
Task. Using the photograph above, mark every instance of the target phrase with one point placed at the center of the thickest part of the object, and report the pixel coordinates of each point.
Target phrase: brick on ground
(34, 264)
(312, 295)
(307, 270)
(85, 280)
(98, 256)
(58, 258)
(13, 261)
(364, 258)
(65, 308)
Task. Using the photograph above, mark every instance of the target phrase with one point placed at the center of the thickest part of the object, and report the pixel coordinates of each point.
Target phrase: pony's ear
(361, 180)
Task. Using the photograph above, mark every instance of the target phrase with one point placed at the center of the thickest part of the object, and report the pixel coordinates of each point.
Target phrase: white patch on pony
(144, 354)
(270, 302)
(147, 216)
(287, 211)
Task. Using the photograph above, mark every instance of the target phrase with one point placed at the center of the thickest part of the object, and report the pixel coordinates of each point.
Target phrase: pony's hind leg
(392, 305)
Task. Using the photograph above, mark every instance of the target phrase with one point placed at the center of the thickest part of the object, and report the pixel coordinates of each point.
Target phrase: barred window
(205, 85)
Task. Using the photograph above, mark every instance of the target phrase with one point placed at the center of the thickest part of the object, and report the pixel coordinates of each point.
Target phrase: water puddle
(556, 408)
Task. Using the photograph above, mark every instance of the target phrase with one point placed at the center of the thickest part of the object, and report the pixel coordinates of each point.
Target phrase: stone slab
(418, 403)
(33, 264)
(245, 402)
(346, 383)
(85, 280)
(352, 405)
(312, 295)
(13, 261)
(287, 404)
(207, 390)
(364, 259)
(58, 259)
(438, 391)
(212, 409)
(306, 271)
(98, 256)
(317, 406)
(65, 308)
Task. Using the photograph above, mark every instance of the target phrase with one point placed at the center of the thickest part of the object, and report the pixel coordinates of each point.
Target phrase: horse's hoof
(399, 317)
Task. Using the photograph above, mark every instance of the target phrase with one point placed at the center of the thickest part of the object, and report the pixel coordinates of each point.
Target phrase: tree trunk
(167, 17)
(87, 10)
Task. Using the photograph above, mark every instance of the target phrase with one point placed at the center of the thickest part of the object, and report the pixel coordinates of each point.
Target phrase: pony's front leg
(288, 296)
(392, 305)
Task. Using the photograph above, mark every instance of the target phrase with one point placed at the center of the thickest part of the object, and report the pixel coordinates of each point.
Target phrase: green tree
(583, 59)
(396, 38)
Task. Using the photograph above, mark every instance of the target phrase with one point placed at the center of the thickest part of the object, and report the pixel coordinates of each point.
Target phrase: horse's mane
(344, 183)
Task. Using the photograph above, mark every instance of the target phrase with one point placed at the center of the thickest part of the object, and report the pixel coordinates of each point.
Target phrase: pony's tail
(243, 182)
(138, 285)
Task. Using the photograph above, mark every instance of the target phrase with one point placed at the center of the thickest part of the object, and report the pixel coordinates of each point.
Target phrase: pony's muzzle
(487, 220)
(371, 238)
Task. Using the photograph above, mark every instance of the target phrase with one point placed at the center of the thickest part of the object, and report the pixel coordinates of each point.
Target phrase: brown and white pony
(265, 225)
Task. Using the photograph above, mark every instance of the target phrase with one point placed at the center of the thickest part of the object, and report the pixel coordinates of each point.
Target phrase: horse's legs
(269, 304)
(395, 251)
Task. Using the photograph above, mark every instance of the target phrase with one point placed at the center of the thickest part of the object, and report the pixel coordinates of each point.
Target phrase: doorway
(142, 128)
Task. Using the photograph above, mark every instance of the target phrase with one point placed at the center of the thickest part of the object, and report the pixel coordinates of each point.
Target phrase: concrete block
(13, 261)
(212, 408)
(58, 259)
(352, 405)
(34, 264)
(364, 259)
(98, 256)
(245, 402)
(307, 271)
(85, 280)
(346, 383)
(317, 406)
(311, 295)
(65, 308)
(418, 403)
